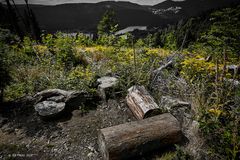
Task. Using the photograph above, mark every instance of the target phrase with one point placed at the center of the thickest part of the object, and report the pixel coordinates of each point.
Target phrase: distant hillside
(189, 8)
(85, 16)
(221, 25)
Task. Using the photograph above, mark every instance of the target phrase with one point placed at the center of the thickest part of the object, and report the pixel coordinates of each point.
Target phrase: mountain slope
(85, 16)
(189, 8)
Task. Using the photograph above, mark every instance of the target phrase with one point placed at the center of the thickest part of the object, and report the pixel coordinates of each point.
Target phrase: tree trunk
(140, 137)
(13, 19)
(141, 103)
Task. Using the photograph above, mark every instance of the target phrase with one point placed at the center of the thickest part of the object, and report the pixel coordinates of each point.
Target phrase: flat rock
(170, 103)
(49, 108)
(180, 109)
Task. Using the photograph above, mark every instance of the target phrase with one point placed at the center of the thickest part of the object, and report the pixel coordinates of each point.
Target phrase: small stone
(91, 149)
(90, 154)
(55, 150)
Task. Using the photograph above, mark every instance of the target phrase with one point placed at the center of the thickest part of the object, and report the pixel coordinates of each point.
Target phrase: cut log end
(141, 103)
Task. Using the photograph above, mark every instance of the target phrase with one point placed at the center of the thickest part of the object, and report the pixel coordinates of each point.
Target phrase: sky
(54, 2)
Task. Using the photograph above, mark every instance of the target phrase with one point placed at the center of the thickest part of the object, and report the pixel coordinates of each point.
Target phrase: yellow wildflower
(217, 112)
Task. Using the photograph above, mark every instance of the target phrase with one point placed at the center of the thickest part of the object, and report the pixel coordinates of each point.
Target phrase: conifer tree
(108, 24)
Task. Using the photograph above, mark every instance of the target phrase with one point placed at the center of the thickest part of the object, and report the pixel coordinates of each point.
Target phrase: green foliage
(216, 31)
(197, 68)
(64, 51)
(170, 41)
(81, 78)
(224, 32)
(4, 70)
(220, 126)
(5, 62)
(167, 156)
(9, 149)
(218, 106)
(66, 62)
(181, 154)
(27, 46)
(107, 40)
(136, 70)
(218, 113)
(84, 40)
(108, 24)
(48, 40)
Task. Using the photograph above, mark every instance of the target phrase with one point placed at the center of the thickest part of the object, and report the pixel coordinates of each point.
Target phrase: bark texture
(141, 103)
(133, 139)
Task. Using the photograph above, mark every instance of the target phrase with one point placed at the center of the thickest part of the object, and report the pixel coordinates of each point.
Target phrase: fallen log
(141, 103)
(139, 137)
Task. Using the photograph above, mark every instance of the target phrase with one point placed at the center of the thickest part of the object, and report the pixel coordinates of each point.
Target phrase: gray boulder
(53, 102)
(49, 108)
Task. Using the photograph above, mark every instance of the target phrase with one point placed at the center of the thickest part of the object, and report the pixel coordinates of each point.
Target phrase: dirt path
(25, 136)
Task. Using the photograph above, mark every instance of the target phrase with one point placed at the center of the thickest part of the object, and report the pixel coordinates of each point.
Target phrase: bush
(197, 68)
(5, 62)
(220, 127)
(4, 69)
(218, 116)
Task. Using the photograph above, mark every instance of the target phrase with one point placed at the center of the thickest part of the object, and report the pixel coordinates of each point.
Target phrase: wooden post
(141, 103)
(139, 137)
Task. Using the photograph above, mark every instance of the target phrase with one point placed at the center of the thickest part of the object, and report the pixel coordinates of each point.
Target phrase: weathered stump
(140, 137)
(106, 86)
(141, 103)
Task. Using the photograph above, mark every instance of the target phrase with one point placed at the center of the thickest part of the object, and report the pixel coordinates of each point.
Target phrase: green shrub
(84, 40)
(5, 60)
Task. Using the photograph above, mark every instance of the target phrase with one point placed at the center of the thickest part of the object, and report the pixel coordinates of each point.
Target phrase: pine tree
(108, 24)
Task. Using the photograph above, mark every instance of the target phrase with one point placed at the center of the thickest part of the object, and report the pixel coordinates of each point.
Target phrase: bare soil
(23, 135)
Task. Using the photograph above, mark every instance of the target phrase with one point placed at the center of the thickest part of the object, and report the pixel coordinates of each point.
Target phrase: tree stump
(140, 137)
(141, 103)
(107, 86)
